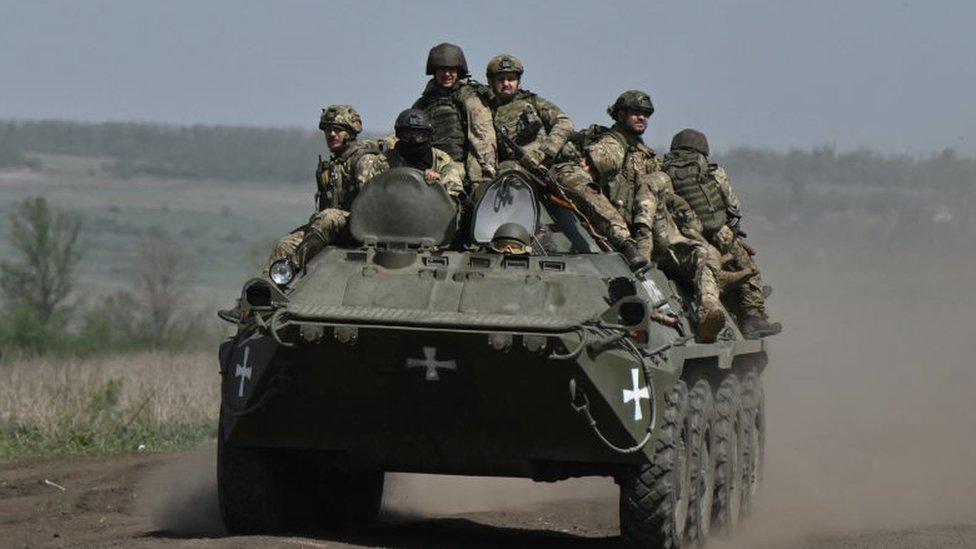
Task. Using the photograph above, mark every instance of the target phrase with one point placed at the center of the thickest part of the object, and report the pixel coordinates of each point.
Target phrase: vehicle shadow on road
(447, 533)
(459, 532)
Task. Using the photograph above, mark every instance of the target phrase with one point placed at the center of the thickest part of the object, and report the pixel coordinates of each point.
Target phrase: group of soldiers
(679, 211)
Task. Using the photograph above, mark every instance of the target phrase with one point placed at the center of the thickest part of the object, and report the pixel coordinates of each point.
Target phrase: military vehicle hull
(546, 366)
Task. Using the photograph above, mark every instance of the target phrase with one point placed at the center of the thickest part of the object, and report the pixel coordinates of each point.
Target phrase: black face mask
(418, 155)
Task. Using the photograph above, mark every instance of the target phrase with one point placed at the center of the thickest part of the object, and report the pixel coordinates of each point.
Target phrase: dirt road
(169, 501)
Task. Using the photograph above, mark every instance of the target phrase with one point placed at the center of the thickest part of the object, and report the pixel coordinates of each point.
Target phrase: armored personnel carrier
(515, 347)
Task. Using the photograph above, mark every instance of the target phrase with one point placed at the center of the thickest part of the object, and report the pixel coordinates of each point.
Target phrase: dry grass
(65, 405)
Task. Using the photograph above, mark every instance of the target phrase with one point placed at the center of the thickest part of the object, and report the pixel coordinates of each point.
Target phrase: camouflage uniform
(451, 171)
(713, 212)
(462, 122)
(535, 124)
(338, 178)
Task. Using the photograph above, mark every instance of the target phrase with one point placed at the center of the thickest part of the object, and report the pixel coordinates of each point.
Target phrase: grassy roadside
(142, 401)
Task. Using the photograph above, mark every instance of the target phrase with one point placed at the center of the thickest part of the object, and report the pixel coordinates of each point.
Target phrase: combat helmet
(504, 63)
(634, 100)
(511, 238)
(412, 119)
(447, 55)
(690, 139)
(344, 116)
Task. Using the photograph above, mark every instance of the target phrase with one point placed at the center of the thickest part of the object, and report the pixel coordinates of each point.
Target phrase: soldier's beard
(418, 155)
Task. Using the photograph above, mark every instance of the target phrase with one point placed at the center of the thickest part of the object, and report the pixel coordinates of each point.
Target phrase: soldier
(412, 149)
(538, 126)
(339, 178)
(708, 192)
(618, 184)
(461, 121)
(602, 180)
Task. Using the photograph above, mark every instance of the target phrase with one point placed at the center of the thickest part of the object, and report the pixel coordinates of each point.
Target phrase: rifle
(554, 191)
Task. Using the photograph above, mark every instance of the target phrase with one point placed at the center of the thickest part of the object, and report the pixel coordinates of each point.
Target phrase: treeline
(861, 168)
(287, 155)
(188, 152)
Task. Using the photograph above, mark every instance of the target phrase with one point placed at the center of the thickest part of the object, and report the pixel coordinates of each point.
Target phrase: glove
(534, 158)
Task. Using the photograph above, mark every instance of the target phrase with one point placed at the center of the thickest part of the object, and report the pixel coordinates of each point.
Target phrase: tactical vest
(620, 190)
(337, 186)
(693, 181)
(449, 118)
(521, 120)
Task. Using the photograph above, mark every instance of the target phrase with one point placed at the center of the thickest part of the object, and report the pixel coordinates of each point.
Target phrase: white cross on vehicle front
(636, 394)
(429, 361)
(243, 371)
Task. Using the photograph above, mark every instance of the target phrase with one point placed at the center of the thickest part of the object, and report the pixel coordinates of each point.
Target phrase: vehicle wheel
(727, 440)
(654, 496)
(700, 411)
(754, 405)
(350, 499)
(261, 490)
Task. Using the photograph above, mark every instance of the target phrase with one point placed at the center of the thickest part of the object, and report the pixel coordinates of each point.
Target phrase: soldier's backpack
(692, 177)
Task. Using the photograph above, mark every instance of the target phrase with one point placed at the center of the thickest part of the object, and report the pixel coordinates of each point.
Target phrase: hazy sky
(893, 76)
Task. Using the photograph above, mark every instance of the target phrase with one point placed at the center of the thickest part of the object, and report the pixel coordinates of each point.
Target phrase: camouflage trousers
(688, 262)
(747, 299)
(330, 224)
(604, 217)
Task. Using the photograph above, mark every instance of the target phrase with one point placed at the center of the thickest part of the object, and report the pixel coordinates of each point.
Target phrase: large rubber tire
(350, 499)
(654, 496)
(701, 409)
(727, 439)
(754, 406)
(254, 494)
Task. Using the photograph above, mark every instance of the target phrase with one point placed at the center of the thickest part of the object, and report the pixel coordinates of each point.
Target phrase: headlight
(282, 272)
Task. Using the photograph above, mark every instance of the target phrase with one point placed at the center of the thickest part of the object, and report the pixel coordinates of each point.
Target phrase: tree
(161, 274)
(47, 243)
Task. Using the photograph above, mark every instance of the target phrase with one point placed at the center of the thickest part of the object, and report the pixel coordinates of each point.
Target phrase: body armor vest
(337, 185)
(449, 120)
(521, 120)
(693, 181)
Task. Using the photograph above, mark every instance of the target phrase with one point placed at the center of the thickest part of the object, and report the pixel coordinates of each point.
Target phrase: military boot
(232, 315)
(312, 244)
(711, 320)
(756, 327)
(632, 254)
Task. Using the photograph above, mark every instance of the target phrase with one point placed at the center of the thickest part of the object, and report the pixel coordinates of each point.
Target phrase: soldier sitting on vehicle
(461, 121)
(618, 184)
(600, 173)
(535, 124)
(339, 178)
(412, 149)
(708, 192)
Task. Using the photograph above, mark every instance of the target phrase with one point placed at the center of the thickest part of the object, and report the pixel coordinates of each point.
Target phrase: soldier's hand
(589, 169)
(749, 249)
(432, 176)
(534, 158)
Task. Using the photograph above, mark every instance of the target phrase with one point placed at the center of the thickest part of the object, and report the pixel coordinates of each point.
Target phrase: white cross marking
(431, 364)
(636, 394)
(243, 371)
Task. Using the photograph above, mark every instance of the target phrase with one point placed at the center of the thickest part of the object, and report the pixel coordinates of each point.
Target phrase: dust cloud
(870, 391)
(181, 496)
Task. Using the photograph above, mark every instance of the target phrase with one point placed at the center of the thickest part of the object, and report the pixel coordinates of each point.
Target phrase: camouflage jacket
(618, 153)
(340, 177)
(451, 171)
(533, 122)
(668, 217)
(462, 126)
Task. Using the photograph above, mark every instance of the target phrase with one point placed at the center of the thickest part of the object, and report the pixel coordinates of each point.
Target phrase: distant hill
(187, 152)
(288, 155)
